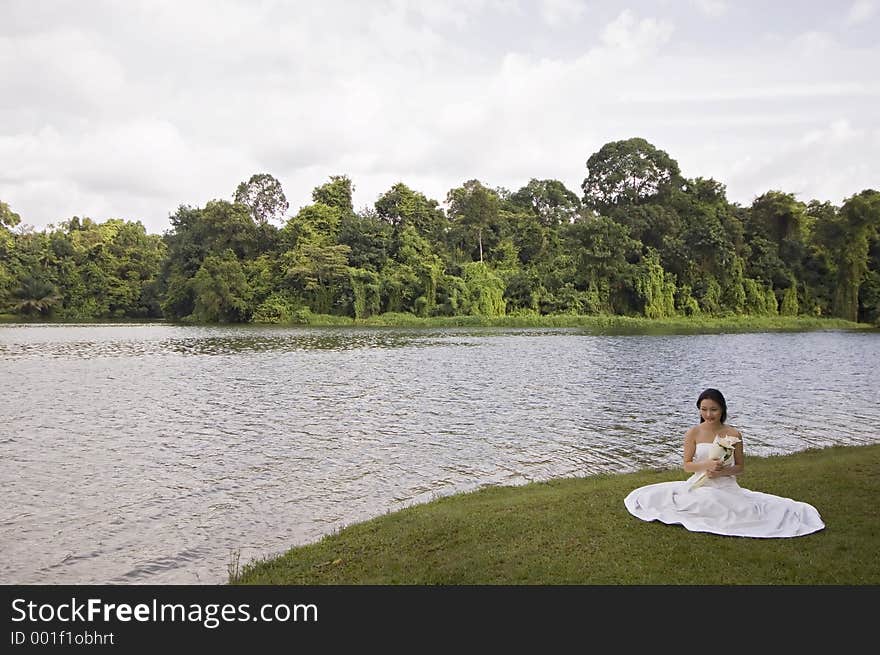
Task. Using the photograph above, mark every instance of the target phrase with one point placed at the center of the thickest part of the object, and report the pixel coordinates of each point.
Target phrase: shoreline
(624, 324)
(577, 531)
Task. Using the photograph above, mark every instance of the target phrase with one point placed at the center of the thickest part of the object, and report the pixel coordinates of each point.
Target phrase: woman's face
(710, 411)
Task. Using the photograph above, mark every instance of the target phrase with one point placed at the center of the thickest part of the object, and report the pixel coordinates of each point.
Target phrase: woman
(711, 500)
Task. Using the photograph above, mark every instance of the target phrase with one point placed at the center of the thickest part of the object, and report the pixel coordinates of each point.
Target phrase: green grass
(601, 322)
(577, 531)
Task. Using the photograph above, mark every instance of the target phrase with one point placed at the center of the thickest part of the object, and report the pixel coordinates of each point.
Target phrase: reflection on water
(87, 341)
(148, 453)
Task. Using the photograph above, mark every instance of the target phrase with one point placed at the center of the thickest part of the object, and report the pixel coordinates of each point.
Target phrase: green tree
(473, 207)
(485, 290)
(522, 291)
(132, 261)
(656, 226)
(336, 193)
(789, 306)
(778, 217)
(709, 293)
(628, 172)
(264, 197)
(368, 237)
(98, 270)
(655, 287)
(400, 206)
(703, 253)
(733, 292)
(35, 297)
(411, 280)
(221, 290)
(366, 292)
(549, 201)
(869, 297)
(819, 266)
(263, 276)
(8, 219)
(317, 222)
(315, 268)
(860, 219)
(196, 234)
(777, 228)
(603, 253)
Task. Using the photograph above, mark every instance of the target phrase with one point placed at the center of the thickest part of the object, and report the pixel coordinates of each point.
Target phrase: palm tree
(35, 296)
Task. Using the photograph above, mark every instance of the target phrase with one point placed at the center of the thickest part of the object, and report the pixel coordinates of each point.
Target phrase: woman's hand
(713, 466)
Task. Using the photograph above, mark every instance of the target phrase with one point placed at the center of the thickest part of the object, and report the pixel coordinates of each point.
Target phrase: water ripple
(153, 453)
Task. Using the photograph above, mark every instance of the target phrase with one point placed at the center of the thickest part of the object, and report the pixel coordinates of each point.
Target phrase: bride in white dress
(718, 504)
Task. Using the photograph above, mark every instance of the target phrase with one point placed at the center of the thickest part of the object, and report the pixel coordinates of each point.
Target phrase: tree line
(641, 240)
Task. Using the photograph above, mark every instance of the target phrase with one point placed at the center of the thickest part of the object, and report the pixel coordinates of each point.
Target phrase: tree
(819, 268)
(263, 196)
(485, 290)
(221, 290)
(602, 250)
(35, 297)
(195, 235)
(779, 221)
(704, 246)
(314, 268)
(313, 222)
(8, 218)
(365, 287)
(474, 207)
(860, 217)
(415, 272)
(401, 206)
(335, 193)
(530, 238)
(549, 200)
(628, 172)
(368, 236)
(777, 216)
(655, 225)
(95, 270)
(655, 287)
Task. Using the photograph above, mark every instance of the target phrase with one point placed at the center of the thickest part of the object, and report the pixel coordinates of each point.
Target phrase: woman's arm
(738, 465)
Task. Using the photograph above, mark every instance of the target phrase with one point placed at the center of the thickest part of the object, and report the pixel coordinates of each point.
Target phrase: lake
(152, 453)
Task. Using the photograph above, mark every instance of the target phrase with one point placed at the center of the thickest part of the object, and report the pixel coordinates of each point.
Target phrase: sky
(131, 109)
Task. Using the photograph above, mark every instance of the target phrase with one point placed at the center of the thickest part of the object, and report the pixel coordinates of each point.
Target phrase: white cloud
(59, 71)
(458, 13)
(861, 12)
(558, 12)
(628, 33)
(792, 168)
(814, 43)
(840, 132)
(131, 109)
(712, 8)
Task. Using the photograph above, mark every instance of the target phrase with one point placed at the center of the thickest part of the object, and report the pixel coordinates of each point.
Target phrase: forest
(639, 240)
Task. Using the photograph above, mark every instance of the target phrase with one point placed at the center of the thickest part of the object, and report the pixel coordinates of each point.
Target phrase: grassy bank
(600, 323)
(577, 531)
(603, 323)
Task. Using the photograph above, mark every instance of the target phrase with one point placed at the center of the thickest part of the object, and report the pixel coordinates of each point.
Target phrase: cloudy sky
(130, 109)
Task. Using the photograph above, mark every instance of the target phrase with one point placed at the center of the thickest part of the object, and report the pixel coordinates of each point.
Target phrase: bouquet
(721, 448)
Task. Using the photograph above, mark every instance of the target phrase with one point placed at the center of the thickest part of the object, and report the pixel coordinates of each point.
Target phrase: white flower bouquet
(721, 448)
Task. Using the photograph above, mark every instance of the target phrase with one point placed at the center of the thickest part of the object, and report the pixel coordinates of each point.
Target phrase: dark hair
(714, 394)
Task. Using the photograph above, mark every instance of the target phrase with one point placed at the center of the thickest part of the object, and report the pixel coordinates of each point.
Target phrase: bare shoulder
(690, 435)
(733, 432)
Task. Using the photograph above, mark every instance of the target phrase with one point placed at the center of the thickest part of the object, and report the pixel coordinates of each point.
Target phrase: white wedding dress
(721, 506)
